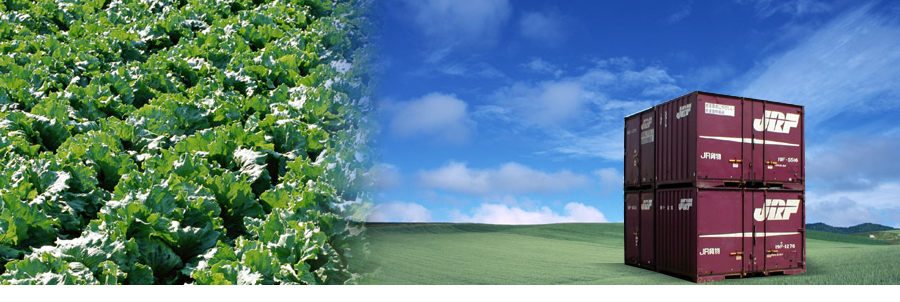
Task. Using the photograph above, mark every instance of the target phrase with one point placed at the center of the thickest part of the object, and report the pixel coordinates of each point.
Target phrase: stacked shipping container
(714, 187)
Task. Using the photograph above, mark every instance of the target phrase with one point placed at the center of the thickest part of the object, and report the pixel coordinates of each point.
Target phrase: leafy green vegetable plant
(183, 141)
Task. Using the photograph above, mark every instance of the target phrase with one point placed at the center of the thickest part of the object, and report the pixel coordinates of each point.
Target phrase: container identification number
(782, 245)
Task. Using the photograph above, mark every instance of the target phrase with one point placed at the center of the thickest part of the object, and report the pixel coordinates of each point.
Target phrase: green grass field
(585, 254)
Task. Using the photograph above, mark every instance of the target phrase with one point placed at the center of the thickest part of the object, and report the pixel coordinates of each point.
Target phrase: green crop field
(585, 254)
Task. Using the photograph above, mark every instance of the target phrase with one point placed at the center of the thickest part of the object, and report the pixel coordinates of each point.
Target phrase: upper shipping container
(711, 140)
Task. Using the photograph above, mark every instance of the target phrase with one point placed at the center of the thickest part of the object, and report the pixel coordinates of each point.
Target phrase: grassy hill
(585, 254)
(860, 228)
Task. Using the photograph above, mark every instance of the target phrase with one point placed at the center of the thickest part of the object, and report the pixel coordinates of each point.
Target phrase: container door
(648, 148)
(782, 127)
(719, 147)
(719, 246)
(632, 227)
(754, 231)
(632, 150)
(647, 229)
(782, 212)
(753, 141)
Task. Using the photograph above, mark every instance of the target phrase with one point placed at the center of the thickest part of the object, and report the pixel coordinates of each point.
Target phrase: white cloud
(503, 214)
(610, 179)
(386, 176)
(460, 21)
(852, 178)
(399, 211)
(440, 116)
(493, 112)
(604, 143)
(842, 212)
(546, 104)
(575, 114)
(542, 27)
(479, 69)
(854, 161)
(704, 76)
(656, 81)
(882, 196)
(509, 178)
(537, 65)
(766, 8)
(849, 65)
(680, 14)
(616, 63)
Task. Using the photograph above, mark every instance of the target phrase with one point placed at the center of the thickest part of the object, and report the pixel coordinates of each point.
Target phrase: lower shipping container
(639, 228)
(710, 234)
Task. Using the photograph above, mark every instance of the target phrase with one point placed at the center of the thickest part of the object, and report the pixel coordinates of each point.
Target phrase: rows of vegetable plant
(183, 141)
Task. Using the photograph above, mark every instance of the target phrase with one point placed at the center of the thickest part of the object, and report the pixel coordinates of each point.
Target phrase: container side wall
(676, 232)
(676, 140)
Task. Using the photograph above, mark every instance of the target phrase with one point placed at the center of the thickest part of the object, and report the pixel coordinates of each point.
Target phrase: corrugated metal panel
(648, 148)
(632, 151)
(646, 233)
(632, 227)
(639, 228)
(676, 140)
(676, 231)
(640, 150)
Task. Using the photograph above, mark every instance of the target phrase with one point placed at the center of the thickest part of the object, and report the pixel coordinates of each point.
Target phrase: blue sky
(511, 112)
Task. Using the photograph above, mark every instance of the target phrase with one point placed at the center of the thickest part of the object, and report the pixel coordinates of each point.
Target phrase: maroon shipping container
(639, 228)
(713, 140)
(640, 147)
(711, 234)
